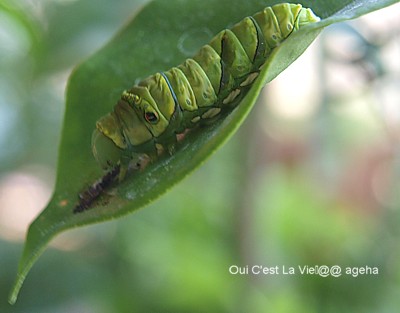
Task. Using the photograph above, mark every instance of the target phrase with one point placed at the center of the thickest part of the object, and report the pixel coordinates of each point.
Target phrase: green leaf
(162, 35)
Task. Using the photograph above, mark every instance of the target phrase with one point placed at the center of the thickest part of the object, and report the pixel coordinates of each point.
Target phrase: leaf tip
(13, 296)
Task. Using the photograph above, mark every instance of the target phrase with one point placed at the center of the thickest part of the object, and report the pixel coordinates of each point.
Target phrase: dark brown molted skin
(90, 195)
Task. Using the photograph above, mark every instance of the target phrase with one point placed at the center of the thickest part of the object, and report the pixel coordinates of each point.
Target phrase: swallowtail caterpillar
(148, 117)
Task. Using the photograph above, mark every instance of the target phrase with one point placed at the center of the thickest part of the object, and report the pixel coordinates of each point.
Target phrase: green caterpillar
(149, 116)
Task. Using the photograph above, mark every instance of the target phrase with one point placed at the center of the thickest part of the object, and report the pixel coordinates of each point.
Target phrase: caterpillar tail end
(307, 16)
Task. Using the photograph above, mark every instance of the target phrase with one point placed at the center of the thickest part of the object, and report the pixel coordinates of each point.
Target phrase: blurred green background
(311, 178)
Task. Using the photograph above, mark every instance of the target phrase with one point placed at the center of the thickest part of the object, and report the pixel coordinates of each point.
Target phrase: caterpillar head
(134, 122)
(106, 153)
(118, 134)
(107, 142)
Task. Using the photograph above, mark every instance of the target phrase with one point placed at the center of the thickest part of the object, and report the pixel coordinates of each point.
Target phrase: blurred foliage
(319, 189)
